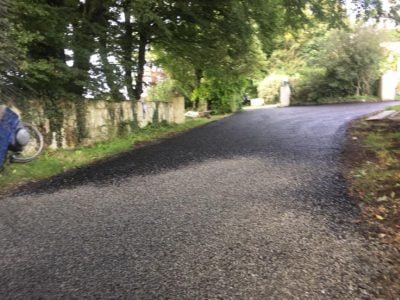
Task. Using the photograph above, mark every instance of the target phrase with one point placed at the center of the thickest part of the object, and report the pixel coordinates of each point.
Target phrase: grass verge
(338, 100)
(395, 107)
(372, 170)
(53, 162)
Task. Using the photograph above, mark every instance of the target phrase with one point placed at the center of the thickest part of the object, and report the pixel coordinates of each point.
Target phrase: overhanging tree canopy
(97, 48)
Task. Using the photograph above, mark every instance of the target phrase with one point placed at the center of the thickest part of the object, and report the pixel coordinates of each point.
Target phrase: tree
(328, 64)
(41, 63)
(207, 61)
(352, 59)
(7, 51)
(216, 43)
(394, 13)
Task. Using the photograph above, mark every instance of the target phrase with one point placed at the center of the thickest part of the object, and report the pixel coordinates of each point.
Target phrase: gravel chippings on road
(252, 206)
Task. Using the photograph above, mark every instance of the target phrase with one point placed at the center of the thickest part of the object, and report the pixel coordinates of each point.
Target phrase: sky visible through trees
(213, 50)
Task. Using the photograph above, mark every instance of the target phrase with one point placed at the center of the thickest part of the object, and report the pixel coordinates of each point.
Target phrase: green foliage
(163, 91)
(342, 64)
(224, 95)
(269, 88)
(352, 60)
(210, 42)
(8, 51)
(395, 108)
(395, 12)
(221, 84)
(38, 30)
(295, 48)
(312, 86)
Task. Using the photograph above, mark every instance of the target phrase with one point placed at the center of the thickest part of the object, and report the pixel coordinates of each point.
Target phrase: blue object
(9, 124)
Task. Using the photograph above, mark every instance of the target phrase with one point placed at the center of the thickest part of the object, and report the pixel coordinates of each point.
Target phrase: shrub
(312, 86)
(269, 88)
(318, 89)
(223, 95)
(163, 91)
(339, 64)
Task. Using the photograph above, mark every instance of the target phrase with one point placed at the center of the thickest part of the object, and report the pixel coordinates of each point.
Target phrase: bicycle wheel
(33, 148)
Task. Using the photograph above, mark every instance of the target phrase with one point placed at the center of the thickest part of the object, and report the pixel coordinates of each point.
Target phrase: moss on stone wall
(81, 129)
(135, 122)
(67, 124)
(156, 117)
(54, 112)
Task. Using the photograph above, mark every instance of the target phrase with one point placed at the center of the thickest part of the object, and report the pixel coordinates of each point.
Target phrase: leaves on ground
(373, 172)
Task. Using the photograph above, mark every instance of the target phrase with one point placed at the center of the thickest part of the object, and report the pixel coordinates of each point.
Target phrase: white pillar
(388, 84)
(285, 95)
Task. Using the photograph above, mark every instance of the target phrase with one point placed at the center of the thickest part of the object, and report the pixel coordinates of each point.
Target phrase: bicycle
(31, 144)
(23, 139)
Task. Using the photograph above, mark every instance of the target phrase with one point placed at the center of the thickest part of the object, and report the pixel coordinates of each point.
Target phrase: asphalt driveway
(252, 206)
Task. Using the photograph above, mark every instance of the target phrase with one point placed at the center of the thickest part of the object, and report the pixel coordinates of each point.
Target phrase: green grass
(375, 173)
(372, 163)
(336, 100)
(395, 107)
(54, 162)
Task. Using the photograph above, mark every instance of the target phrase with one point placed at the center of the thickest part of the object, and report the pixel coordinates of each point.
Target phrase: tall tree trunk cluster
(106, 43)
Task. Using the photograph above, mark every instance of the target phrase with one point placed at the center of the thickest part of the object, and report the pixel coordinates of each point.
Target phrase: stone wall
(92, 121)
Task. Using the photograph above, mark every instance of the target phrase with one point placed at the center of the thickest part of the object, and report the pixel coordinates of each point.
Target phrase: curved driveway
(252, 206)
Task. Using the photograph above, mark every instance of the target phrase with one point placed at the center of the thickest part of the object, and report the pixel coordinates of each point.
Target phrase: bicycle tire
(39, 137)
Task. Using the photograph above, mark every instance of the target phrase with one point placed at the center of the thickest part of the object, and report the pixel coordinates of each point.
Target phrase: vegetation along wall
(90, 121)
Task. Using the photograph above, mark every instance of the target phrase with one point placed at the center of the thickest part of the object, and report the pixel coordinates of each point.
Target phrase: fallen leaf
(382, 199)
(382, 209)
(380, 218)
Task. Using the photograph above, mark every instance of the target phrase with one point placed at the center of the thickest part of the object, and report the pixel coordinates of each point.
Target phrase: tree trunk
(199, 77)
(366, 85)
(358, 87)
(143, 41)
(83, 49)
(108, 69)
(127, 48)
(83, 44)
(201, 104)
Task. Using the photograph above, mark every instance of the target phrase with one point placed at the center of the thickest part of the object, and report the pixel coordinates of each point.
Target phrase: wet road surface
(252, 206)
